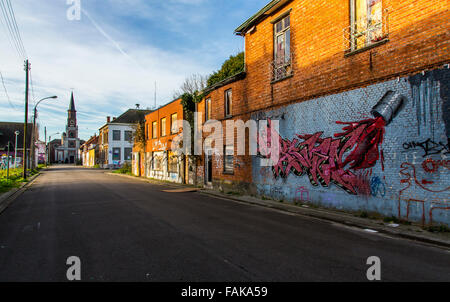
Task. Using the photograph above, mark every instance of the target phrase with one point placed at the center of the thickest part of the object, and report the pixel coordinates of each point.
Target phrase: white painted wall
(122, 143)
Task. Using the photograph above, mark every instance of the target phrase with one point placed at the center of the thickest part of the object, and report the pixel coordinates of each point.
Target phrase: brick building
(154, 158)
(360, 89)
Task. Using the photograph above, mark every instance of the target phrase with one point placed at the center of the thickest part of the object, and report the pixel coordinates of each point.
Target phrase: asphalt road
(127, 230)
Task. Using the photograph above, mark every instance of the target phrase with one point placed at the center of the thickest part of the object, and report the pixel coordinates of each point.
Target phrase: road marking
(370, 231)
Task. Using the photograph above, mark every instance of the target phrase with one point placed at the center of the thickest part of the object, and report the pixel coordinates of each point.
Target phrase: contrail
(110, 39)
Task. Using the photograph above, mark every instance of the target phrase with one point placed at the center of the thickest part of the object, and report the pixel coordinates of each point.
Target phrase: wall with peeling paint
(413, 184)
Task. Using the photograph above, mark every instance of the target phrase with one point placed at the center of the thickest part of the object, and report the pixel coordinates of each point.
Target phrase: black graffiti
(429, 146)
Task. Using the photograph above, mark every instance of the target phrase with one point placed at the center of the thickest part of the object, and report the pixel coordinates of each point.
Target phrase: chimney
(108, 119)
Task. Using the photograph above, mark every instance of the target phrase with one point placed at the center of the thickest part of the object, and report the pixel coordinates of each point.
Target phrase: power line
(5, 28)
(8, 27)
(11, 10)
(12, 27)
(16, 28)
(6, 92)
(32, 87)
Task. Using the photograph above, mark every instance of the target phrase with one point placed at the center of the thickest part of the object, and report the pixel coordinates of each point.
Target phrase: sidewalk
(7, 198)
(412, 232)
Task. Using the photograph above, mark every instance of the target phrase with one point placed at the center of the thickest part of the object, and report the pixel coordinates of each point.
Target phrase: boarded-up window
(173, 163)
(158, 161)
(228, 159)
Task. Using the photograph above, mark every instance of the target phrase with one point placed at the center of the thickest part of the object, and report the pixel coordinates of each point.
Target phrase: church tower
(73, 143)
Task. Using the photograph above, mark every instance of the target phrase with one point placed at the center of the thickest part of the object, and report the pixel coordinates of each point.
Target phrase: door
(208, 168)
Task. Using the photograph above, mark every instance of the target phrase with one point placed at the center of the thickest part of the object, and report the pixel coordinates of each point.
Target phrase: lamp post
(15, 150)
(33, 159)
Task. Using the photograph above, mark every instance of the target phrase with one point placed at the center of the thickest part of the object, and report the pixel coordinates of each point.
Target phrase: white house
(116, 138)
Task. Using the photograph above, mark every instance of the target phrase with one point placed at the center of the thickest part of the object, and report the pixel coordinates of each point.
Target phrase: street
(128, 230)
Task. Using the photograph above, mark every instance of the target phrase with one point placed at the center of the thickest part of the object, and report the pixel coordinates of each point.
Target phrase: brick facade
(330, 84)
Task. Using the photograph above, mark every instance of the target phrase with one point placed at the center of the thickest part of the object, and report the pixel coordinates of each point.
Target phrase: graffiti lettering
(322, 159)
(429, 147)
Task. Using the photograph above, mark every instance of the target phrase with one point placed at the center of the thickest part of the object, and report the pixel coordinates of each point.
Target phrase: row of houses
(360, 91)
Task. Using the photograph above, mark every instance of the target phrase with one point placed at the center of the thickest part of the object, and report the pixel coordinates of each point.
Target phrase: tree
(234, 65)
(191, 85)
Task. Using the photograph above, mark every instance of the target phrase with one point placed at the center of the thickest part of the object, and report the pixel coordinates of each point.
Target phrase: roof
(131, 116)
(261, 14)
(92, 140)
(7, 134)
(236, 77)
(72, 103)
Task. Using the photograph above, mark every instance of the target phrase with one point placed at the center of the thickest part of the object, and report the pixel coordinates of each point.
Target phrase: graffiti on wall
(337, 159)
(420, 178)
(429, 147)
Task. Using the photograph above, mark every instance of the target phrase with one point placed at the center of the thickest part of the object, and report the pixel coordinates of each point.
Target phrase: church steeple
(72, 103)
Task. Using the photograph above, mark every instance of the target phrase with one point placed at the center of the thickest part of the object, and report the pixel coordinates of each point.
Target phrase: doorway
(208, 168)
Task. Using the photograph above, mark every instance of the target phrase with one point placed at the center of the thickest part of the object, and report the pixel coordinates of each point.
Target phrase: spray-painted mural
(392, 160)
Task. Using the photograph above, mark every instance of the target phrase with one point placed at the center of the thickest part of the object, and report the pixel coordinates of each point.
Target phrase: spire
(72, 103)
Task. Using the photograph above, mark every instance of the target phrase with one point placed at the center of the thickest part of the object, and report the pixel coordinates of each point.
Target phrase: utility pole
(27, 71)
(46, 152)
(7, 172)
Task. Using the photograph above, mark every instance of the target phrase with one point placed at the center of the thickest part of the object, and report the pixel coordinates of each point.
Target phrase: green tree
(230, 67)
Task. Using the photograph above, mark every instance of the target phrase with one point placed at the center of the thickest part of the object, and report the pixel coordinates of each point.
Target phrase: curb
(10, 196)
(341, 218)
(325, 215)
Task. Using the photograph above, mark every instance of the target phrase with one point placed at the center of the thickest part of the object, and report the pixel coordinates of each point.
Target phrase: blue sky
(114, 54)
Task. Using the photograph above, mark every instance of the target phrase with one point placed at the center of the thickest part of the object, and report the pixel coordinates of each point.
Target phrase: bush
(125, 169)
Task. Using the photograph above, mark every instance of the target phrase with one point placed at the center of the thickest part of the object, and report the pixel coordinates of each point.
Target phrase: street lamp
(15, 150)
(33, 161)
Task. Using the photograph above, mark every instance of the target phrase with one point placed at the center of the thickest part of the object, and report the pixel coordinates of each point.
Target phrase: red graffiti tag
(323, 158)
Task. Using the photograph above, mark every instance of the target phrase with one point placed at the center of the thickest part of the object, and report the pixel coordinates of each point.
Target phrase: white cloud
(71, 54)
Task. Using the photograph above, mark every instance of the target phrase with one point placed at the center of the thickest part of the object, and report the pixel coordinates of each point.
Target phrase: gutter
(264, 12)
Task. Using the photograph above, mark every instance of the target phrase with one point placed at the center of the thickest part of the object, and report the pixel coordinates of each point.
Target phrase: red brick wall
(162, 143)
(418, 39)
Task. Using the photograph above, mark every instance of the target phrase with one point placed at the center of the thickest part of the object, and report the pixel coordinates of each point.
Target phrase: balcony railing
(366, 32)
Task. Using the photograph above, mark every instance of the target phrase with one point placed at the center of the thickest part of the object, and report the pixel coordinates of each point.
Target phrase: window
(173, 163)
(116, 153)
(105, 138)
(127, 153)
(207, 109)
(173, 123)
(228, 156)
(228, 102)
(116, 135)
(157, 161)
(366, 25)
(282, 55)
(163, 127)
(128, 136)
(154, 130)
